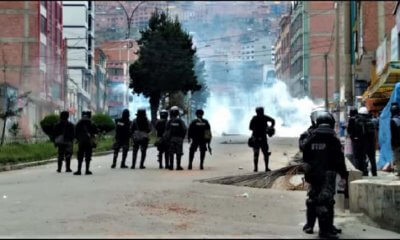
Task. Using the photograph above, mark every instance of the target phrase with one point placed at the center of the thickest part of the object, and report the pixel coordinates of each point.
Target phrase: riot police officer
(362, 131)
(395, 133)
(122, 138)
(85, 134)
(140, 130)
(174, 134)
(306, 134)
(323, 159)
(259, 126)
(162, 146)
(200, 134)
(64, 141)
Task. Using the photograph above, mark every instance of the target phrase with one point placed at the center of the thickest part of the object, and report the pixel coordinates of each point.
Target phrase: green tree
(104, 123)
(48, 124)
(166, 61)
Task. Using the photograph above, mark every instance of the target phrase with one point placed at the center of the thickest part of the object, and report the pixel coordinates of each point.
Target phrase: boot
(114, 164)
(143, 158)
(124, 156)
(78, 172)
(202, 157)
(191, 157)
(266, 161)
(88, 172)
(68, 164)
(59, 166)
(160, 160)
(255, 165)
(325, 229)
(166, 156)
(171, 162)
(178, 163)
(134, 155)
(311, 217)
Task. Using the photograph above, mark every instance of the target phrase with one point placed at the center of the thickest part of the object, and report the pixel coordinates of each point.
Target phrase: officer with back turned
(259, 126)
(162, 146)
(85, 134)
(122, 138)
(200, 134)
(175, 133)
(323, 159)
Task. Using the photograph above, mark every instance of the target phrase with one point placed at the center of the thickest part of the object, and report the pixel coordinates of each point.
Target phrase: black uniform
(162, 146)
(304, 136)
(362, 133)
(85, 133)
(323, 158)
(174, 134)
(122, 139)
(140, 128)
(66, 130)
(200, 134)
(259, 126)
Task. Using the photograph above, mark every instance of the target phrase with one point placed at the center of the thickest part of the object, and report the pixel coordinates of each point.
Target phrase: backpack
(364, 127)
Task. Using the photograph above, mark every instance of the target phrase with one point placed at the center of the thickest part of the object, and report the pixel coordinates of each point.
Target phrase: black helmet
(86, 114)
(260, 111)
(64, 115)
(163, 114)
(199, 112)
(314, 116)
(174, 111)
(394, 109)
(353, 112)
(141, 112)
(325, 118)
(125, 114)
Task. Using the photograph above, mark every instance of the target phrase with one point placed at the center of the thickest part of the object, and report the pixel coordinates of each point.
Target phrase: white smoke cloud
(233, 116)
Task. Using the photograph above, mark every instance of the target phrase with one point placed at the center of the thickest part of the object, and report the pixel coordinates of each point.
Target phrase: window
(90, 23)
(90, 62)
(90, 42)
(43, 24)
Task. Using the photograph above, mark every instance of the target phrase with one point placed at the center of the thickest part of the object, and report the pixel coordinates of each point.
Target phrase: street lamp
(129, 17)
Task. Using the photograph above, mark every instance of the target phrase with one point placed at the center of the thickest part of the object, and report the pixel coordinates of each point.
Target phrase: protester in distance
(64, 132)
(122, 138)
(140, 129)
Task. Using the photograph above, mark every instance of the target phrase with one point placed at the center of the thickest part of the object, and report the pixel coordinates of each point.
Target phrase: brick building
(282, 63)
(310, 28)
(33, 56)
(120, 54)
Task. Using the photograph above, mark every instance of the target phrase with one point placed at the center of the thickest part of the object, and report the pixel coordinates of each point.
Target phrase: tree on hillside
(166, 61)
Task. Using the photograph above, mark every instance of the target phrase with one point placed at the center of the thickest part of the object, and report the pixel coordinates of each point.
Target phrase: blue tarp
(386, 154)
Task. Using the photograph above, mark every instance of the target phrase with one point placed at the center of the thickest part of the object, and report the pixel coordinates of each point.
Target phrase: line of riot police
(170, 137)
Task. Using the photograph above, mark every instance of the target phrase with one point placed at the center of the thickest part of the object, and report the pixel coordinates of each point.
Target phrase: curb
(10, 167)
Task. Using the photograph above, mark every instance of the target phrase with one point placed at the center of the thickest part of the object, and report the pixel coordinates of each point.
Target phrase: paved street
(38, 202)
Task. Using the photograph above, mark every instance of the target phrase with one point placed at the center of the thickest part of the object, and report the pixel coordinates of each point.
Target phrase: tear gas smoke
(233, 115)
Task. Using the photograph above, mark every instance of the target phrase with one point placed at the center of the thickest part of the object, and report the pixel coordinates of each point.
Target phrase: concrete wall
(379, 199)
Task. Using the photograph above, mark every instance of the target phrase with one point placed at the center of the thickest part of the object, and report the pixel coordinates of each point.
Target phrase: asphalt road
(38, 202)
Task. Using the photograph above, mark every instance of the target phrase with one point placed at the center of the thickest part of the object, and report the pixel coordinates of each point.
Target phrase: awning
(384, 85)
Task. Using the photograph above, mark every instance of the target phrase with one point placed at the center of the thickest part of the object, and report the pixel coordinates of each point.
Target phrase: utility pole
(129, 17)
(337, 63)
(326, 82)
(348, 82)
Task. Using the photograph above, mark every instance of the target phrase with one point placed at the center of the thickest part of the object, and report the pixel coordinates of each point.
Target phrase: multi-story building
(79, 32)
(101, 80)
(282, 64)
(311, 37)
(32, 56)
(111, 19)
(120, 54)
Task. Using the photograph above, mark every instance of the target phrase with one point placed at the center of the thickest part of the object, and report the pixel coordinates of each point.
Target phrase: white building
(78, 20)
